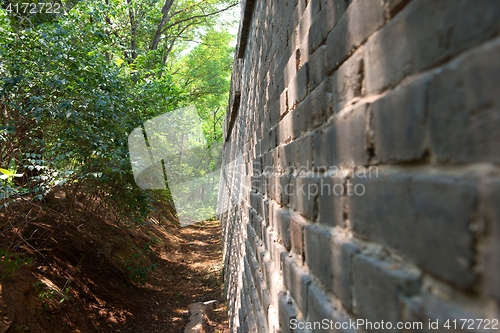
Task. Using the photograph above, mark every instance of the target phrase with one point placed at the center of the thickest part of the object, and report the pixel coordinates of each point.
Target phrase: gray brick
(290, 154)
(267, 272)
(286, 189)
(325, 150)
(290, 71)
(285, 128)
(286, 313)
(275, 113)
(254, 268)
(352, 142)
(428, 71)
(360, 20)
(257, 224)
(256, 201)
(305, 153)
(318, 253)
(274, 187)
(299, 86)
(320, 308)
(317, 70)
(252, 238)
(265, 300)
(305, 23)
(266, 145)
(330, 259)
(302, 118)
(321, 104)
(429, 224)
(283, 102)
(257, 166)
(432, 32)
(303, 199)
(297, 225)
(282, 226)
(491, 212)
(379, 283)
(297, 282)
(327, 14)
(319, 32)
(268, 237)
(264, 213)
(428, 308)
(342, 262)
(331, 201)
(258, 150)
(281, 162)
(347, 82)
(267, 158)
(464, 108)
(315, 7)
(301, 7)
(303, 53)
(394, 6)
(278, 251)
(398, 121)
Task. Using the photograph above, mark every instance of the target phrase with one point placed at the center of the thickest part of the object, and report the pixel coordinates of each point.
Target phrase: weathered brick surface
(330, 260)
(286, 313)
(297, 225)
(321, 104)
(318, 253)
(464, 103)
(326, 16)
(347, 82)
(379, 288)
(297, 281)
(325, 151)
(305, 192)
(331, 201)
(429, 308)
(317, 70)
(425, 33)
(424, 217)
(282, 226)
(368, 182)
(491, 211)
(352, 142)
(322, 309)
(399, 123)
(361, 19)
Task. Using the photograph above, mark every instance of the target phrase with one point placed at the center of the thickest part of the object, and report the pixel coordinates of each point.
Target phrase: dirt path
(92, 275)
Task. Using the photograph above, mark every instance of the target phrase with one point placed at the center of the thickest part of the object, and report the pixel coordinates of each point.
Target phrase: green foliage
(137, 269)
(49, 296)
(10, 262)
(206, 74)
(74, 85)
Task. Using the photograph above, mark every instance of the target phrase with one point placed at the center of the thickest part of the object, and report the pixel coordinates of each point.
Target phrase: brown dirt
(87, 272)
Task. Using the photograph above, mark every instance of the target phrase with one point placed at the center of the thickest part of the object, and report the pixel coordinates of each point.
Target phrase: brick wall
(362, 161)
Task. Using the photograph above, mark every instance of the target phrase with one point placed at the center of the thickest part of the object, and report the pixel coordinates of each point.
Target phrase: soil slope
(88, 272)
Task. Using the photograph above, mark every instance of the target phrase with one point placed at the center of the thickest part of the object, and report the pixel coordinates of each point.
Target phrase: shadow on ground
(90, 273)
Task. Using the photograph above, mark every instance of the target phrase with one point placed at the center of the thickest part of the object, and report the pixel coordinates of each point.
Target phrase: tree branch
(164, 19)
(200, 16)
(133, 30)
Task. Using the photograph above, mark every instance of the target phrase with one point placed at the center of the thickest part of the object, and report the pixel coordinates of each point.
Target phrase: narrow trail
(91, 274)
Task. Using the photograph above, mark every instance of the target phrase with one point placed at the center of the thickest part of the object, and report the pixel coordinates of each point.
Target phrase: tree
(73, 86)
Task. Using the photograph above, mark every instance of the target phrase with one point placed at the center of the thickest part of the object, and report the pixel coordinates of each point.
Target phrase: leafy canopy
(73, 85)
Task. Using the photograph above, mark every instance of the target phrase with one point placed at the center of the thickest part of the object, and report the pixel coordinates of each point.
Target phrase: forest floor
(89, 273)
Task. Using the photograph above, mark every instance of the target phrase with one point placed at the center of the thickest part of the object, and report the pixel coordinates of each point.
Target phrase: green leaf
(8, 174)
